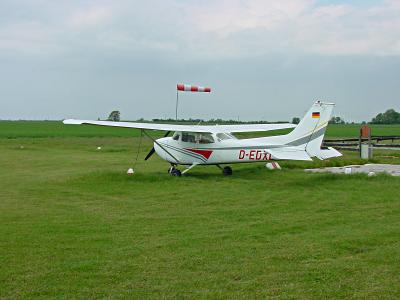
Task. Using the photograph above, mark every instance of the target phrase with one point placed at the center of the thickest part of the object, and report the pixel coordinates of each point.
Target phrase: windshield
(176, 136)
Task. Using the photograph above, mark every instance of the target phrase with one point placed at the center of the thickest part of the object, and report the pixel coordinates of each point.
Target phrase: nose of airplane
(160, 151)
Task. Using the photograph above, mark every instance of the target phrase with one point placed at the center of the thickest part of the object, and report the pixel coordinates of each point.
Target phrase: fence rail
(354, 143)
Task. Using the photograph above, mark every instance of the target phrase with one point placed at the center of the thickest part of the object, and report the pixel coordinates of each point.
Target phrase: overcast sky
(263, 59)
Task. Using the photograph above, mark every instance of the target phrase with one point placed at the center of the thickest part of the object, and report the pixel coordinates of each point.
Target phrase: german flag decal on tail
(315, 115)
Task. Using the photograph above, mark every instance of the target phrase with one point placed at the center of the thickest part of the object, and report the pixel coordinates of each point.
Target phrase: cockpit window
(205, 138)
(200, 138)
(188, 137)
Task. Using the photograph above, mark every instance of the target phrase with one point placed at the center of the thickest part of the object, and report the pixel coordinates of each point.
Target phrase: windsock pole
(176, 106)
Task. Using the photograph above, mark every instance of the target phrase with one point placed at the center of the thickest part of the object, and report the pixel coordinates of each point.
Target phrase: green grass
(354, 130)
(74, 225)
(40, 129)
(37, 129)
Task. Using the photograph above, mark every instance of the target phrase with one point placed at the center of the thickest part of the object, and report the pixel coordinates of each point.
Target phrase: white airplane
(194, 145)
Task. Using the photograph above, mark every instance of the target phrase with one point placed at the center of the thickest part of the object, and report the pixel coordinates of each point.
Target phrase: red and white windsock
(192, 88)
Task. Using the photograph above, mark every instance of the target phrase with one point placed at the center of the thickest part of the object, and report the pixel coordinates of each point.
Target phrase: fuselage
(214, 149)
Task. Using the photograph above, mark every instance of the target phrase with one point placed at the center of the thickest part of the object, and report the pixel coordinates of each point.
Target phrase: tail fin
(310, 132)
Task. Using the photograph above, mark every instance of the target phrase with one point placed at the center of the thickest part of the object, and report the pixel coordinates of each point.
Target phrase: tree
(336, 120)
(389, 117)
(114, 116)
(296, 120)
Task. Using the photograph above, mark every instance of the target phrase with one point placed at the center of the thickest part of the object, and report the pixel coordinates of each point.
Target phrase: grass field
(74, 225)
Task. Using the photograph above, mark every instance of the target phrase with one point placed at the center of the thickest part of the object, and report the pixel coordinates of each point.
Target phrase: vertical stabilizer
(311, 129)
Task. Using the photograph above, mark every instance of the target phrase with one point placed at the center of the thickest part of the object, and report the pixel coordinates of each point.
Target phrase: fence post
(365, 133)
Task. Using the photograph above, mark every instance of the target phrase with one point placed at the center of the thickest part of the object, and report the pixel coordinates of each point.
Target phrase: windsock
(192, 88)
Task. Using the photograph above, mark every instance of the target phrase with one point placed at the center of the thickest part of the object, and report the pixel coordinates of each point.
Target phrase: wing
(189, 128)
(250, 127)
(149, 126)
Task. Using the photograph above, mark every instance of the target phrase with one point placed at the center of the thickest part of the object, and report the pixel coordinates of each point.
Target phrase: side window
(231, 136)
(223, 136)
(206, 138)
(188, 137)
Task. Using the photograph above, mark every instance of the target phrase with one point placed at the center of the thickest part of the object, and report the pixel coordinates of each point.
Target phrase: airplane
(194, 145)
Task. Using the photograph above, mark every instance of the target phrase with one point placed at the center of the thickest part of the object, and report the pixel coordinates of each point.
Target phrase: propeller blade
(150, 153)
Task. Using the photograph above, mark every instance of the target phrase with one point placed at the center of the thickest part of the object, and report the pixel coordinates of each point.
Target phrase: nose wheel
(174, 171)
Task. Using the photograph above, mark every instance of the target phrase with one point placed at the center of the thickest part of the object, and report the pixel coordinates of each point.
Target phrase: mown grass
(74, 225)
(37, 129)
(353, 130)
(41, 129)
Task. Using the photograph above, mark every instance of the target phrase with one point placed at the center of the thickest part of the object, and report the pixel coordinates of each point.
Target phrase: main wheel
(176, 172)
(227, 171)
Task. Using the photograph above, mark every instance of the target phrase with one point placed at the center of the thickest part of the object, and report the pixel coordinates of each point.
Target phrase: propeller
(154, 150)
(150, 153)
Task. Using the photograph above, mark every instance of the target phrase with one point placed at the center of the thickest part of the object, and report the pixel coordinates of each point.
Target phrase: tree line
(389, 117)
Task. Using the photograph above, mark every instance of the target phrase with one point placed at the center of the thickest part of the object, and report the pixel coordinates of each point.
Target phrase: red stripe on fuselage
(205, 153)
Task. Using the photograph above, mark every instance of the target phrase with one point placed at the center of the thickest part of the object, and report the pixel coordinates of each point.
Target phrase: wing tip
(72, 122)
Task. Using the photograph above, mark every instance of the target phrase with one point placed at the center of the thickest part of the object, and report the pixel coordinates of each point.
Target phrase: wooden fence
(383, 142)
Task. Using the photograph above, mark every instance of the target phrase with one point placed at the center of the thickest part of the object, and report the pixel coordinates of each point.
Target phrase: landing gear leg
(171, 168)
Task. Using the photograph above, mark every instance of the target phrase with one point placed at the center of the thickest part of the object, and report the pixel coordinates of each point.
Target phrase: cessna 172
(194, 145)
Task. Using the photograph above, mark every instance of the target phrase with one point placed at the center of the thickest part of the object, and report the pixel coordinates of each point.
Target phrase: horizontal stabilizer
(289, 153)
(328, 153)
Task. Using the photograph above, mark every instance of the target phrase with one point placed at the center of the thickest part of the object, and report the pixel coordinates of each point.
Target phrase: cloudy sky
(263, 59)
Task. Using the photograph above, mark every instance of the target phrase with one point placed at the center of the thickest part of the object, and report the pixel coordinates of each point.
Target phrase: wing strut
(138, 149)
